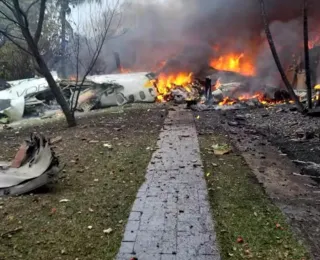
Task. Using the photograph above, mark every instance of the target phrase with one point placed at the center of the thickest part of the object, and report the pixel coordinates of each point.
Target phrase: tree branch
(10, 38)
(7, 17)
(273, 49)
(37, 35)
(101, 40)
(31, 5)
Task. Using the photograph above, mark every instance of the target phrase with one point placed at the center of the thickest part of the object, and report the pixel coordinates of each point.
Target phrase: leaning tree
(273, 49)
(16, 16)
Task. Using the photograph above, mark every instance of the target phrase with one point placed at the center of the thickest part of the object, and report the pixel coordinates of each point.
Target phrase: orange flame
(73, 77)
(258, 96)
(217, 85)
(123, 70)
(314, 42)
(234, 62)
(165, 83)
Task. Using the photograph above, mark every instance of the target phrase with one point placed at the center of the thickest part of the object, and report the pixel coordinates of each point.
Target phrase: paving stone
(169, 242)
(141, 194)
(208, 257)
(153, 220)
(171, 221)
(144, 187)
(130, 236)
(126, 248)
(192, 209)
(196, 244)
(168, 257)
(135, 216)
(147, 256)
(200, 223)
(170, 218)
(132, 225)
(121, 256)
(138, 205)
(148, 242)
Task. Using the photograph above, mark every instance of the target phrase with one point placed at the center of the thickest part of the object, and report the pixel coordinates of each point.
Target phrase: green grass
(100, 184)
(242, 209)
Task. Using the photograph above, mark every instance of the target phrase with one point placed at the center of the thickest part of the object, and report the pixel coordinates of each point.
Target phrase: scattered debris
(309, 168)
(36, 165)
(240, 240)
(11, 232)
(109, 146)
(108, 231)
(56, 140)
(20, 156)
(64, 200)
(221, 149)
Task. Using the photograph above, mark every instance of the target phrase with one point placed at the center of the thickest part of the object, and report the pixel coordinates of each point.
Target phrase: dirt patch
(268, 140)
(104, 160)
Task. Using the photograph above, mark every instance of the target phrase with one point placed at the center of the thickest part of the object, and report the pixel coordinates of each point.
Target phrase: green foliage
(14, 63)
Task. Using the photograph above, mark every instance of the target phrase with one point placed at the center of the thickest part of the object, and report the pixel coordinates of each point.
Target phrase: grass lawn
(98, 183)
(248, 224)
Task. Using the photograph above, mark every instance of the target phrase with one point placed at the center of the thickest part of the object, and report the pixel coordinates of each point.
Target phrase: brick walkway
(170, 219)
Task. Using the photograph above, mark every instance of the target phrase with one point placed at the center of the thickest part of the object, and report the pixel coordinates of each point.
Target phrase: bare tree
(100, 27)
(17, 17)
(306, 52)
(64, 9)
(289, 87)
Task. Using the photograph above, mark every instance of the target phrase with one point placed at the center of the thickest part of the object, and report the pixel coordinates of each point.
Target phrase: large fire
(259, 97)
(239, 63)
(165, 83)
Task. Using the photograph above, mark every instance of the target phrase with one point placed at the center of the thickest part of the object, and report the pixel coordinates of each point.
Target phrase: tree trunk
(64, 7)
(70, 118)
(293, 95)
(44, 70)
(306, 52)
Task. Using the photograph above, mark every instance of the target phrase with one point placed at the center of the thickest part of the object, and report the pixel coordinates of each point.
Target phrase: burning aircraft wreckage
(213, 88)
(229, 81)
(32, 97)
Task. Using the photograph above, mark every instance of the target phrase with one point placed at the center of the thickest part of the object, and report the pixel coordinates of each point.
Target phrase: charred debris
(35, 165)
(33, 98)
(210, 89)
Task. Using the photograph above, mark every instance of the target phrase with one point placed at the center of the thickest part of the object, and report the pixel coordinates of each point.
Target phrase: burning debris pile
(226, 82)
(34, 165)
(218, 89)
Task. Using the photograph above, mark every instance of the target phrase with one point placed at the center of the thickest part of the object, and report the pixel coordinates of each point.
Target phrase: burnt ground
(269, 140)
(98, 185)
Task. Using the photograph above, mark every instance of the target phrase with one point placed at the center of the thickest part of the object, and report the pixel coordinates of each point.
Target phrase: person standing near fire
(210, 81)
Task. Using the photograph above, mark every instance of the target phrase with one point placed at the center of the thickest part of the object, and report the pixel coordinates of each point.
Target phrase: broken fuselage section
(33, 97)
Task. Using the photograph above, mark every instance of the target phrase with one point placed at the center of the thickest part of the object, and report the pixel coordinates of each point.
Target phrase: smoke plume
(187, 33)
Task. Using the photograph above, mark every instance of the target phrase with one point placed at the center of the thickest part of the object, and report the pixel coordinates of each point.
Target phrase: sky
(81, 14)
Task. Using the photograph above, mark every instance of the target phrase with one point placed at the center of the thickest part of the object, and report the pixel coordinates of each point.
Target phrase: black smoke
(183, 32)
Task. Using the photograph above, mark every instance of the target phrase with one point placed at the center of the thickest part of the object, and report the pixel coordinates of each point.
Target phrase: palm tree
(289, 87)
